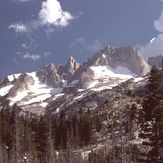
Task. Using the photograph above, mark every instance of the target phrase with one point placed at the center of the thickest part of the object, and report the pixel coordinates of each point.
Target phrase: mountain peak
(72, 65)
(127, 56)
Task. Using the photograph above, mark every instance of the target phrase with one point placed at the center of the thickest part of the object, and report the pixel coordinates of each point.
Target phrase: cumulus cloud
(154, 47)
(51, 13)
(19, 27)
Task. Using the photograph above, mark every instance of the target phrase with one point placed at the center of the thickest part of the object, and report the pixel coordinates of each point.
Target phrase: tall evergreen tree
(41, 139)
(150, 133)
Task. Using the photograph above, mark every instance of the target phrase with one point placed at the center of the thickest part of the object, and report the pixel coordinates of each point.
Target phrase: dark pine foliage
(150, 126)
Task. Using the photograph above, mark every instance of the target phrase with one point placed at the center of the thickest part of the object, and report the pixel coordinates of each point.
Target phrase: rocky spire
(72, 65)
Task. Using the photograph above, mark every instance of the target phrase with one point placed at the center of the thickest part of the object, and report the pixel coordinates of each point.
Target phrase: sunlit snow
(39, 90)
(13, 76)
(106, 71)
(18, 97)
(78, 97)
(39, 98)
(5, 90)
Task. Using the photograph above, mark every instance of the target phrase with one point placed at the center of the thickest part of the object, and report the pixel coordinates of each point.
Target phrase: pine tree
(150, 133)
(41, 138)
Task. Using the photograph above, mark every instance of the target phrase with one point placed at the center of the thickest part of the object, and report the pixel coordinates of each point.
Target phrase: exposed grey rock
(21, 84)
(86, 77)
(54, 74)
(127, 57)
(4, 82)
(72, 65)
(49, 74)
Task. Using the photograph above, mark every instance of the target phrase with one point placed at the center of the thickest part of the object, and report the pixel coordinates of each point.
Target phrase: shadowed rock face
(127, 57)
(21, 84)
(72, 65)
(50, 74)
(54, 74)
(4, 82)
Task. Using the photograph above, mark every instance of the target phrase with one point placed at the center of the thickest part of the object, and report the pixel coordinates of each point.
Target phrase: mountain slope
(107, 69)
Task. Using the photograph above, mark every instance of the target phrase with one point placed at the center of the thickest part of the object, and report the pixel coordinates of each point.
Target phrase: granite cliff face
(58, 75)
(127, 57)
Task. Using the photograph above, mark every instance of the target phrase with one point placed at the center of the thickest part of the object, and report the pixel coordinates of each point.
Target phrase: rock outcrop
(21, 84)
(128, 57)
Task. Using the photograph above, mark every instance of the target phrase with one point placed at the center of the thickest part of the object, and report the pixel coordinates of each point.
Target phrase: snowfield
(107, 71)
(38, 90)
(110, 77)
(5, 90)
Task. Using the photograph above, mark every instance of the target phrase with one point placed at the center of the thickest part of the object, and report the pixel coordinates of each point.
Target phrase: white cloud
(19, 27)
(51, 13)
(34, 57)
(154, 47)
(158, 24)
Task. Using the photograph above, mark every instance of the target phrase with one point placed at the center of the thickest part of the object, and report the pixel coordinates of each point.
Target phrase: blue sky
(38, 32)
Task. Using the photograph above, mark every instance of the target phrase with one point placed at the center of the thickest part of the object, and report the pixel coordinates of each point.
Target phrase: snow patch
(85, 155)
(13, 76)
(39, 90)
(74, 82)
(39, 98)
(44, 104)
(93, 84)
(57, 111)
(104, 87)
(64, 82)
(58, 95)
(107, 71)
(78, 97)
(138, 79)
(81, 90)
(38, 87)
(5, 90)
(19, 97)
(103, 56)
